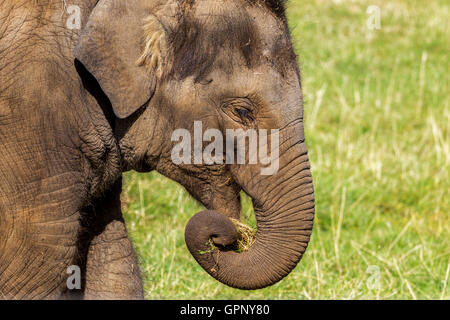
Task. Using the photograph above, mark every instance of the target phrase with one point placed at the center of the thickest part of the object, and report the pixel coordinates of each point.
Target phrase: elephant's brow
(196, 49)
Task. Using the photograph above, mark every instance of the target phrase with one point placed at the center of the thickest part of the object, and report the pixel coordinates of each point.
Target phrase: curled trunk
(284, 209)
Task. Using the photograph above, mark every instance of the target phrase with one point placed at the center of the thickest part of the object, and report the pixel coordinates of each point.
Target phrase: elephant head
(229, 64)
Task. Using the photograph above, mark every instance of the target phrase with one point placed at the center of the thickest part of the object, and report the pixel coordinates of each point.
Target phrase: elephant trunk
(284, 210)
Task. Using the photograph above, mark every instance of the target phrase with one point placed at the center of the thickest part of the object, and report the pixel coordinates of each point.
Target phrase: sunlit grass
(377, 121)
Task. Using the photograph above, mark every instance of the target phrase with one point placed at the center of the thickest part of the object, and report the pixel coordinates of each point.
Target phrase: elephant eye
(242, 112)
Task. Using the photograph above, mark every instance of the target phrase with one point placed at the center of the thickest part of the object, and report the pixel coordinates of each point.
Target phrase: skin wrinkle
(275, 207)
(306, 200)
(275, 198)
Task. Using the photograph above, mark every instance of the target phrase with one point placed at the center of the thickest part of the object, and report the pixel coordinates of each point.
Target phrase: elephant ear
(111, 48)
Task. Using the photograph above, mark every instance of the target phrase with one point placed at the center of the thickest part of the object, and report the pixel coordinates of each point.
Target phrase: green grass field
(377, 121)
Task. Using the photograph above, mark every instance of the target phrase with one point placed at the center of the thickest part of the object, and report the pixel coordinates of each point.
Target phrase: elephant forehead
(231, 36)
(204, 37)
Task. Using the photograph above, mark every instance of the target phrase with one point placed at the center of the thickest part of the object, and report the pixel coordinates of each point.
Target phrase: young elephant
(77, 108)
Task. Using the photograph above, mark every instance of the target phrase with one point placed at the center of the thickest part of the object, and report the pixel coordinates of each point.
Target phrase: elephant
(81, 106)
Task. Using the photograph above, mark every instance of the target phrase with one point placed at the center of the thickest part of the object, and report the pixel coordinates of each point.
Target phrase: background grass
(377, 122)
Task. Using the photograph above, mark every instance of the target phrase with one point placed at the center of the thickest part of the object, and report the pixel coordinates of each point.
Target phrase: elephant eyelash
(243, 103)
(206, 82)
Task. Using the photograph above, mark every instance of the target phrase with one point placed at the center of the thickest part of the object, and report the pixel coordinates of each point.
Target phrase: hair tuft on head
(155, 43)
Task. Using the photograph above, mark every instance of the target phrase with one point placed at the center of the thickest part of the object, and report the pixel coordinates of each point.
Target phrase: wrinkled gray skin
(69, 128)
